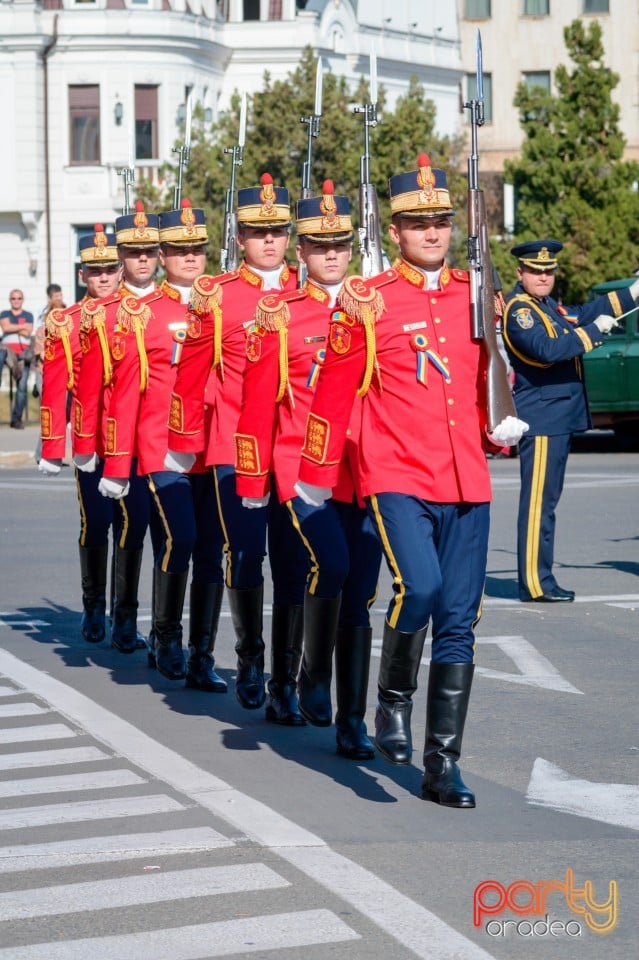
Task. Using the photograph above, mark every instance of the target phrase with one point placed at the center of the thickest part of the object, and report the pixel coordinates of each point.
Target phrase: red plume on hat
(185, 203)
(99, 239)
(267, 193)
(140, 219)
(425, 177)
(328, 206)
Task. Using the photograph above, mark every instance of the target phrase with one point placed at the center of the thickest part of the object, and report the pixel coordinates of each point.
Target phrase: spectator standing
(17, 328)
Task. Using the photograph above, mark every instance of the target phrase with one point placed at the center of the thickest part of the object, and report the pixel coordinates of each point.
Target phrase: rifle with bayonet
(370, 241)
(128, 176)
(482, 293)
(313, 122)
(183, 152)
(229, 254)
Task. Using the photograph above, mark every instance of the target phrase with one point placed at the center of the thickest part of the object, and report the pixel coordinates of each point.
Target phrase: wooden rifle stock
(499, 401)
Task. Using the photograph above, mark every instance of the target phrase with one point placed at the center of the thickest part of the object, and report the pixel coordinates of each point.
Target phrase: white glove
(49, 467)
(254, 503)
(508, 433)
(178, 462)
(312, 495)
(113, 487)
(634, 290)
(86, 462)
(605, 324)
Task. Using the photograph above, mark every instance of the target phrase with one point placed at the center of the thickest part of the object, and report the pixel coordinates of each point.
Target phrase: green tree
(276, 141)
(571, 181)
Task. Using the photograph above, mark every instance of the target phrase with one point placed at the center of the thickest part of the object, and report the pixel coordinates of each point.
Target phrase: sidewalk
(17, 447)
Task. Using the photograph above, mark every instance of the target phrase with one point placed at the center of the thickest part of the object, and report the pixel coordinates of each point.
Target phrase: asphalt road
(140, 819)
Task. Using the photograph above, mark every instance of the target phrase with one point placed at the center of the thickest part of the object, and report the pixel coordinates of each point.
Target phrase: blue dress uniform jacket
(545, 343)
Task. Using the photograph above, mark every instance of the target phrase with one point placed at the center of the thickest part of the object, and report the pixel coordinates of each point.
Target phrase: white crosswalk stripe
(19, 818)
(47, 731)
(127, 846)
(149, 888)
(98, 780)
(200, 942)
(20, 710)
(48, 758)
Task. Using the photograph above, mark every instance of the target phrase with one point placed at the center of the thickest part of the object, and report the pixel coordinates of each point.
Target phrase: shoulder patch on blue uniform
(524, 318)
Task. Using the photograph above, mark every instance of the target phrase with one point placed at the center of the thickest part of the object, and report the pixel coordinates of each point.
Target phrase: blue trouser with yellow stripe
(436, 554)
(183, 524)
(244, 533)
(128, 516)
(343, 555)
(542, 468)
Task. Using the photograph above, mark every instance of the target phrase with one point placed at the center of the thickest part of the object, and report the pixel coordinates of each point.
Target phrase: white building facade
(90, 86)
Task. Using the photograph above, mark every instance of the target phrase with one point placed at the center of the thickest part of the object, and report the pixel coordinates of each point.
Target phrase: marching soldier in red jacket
(137, 240)
(63, 356)
(285, 350)
(204, 412)
(423, 470)
(148, 335)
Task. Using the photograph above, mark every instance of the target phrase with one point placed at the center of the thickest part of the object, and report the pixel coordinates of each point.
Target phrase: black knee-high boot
(287, 632)
(126, 575)
(246, 612)
(448, 695)
(93, 570)
(401, 657)
(168, 605)
(352, 663)
(321, 615)
(204, 616)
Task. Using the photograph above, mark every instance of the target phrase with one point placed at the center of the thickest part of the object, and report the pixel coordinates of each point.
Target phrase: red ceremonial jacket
(93, 391)
(212, 361)
(285, 349)
(60, 371)
(146, 339)
(424, 394)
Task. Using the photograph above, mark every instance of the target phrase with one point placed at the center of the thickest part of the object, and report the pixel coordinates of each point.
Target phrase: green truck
(612, 374)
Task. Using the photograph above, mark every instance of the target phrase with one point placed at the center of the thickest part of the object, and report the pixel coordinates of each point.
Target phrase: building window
(275, 10)
(146, 122)
(596, 6)
(471, 90)
(536, 8)
(251, 10)
(537, 78)
(477, 9)
(84, 123)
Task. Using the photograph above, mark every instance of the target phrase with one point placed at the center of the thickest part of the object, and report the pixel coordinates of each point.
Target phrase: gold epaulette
(93, 312)
(132, 312)
(272, 312)
(58, 323)
(206, 292)
(169, 291)
(361, 300)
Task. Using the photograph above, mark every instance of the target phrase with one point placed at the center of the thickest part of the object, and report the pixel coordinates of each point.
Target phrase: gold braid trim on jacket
(365, 304)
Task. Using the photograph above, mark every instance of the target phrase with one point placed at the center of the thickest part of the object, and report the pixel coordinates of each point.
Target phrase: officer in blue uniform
(545, 343)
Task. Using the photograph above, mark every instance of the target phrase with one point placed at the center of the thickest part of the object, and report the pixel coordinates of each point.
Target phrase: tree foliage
(571, 181)
(276, 142)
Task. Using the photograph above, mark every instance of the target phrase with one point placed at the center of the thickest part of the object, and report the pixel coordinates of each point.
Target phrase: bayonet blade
(318, 88)
(373, 75)
(242, 134)
(480, 71)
